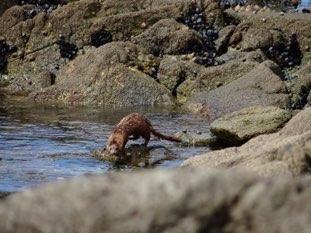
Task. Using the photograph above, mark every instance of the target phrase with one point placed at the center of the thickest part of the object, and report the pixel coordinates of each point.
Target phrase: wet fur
(133, 127)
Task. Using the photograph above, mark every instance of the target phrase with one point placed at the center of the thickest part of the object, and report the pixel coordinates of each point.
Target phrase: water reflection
(44, 143)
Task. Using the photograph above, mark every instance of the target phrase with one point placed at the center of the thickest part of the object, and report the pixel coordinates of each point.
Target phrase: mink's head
(113, 149)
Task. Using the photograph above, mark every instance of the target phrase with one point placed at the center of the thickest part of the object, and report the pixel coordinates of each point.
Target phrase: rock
(262, 86)
(27, 84)
(195, 138)
(299, 85)
(158, 200)
(109, 75)
(238, 127)
(286, 152)
(212, 12)
(291, 24)
(168, 37)
(186, 78)
(300, 124)
(173, 71)
(223, 39)
(254, 38)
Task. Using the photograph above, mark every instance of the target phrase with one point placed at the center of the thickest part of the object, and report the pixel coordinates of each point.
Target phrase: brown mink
(132, 127)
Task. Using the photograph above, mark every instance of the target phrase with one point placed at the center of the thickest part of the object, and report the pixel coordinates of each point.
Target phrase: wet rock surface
(286, 152)
(162, 201)
(238, 127)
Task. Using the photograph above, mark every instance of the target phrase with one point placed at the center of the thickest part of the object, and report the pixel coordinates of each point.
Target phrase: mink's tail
(165, 137)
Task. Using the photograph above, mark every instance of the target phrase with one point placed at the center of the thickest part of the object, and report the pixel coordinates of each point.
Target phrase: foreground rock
(238, 127)
(287, 152)
(260, 87)
(162, 201)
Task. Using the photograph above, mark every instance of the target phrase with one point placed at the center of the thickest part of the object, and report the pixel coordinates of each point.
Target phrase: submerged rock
(286, 152)
(239, 127)
(195, 139)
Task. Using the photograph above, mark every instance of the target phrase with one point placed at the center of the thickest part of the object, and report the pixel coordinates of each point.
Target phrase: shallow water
(46, 143)
(304, 3)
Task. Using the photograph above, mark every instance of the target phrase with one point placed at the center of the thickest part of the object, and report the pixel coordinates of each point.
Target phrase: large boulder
(178, 200)
(262, 86)
(168, 37)
(287, 152)
(238, 127)
(274, 28)
(185, 78)
(109, 75)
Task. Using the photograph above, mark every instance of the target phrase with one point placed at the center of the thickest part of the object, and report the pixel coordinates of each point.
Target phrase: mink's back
(135, 123)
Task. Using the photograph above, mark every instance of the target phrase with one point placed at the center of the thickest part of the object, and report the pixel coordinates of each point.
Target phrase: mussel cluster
(154, 72)
(303, 95)
(305, 11)
(5, 49)
(100, 37)
(40, 6)
(232, 3)
(286, 55)
(66, 49)
(206, 54)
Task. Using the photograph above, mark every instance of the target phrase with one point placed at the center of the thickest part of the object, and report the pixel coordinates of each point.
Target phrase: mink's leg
(147, 138)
